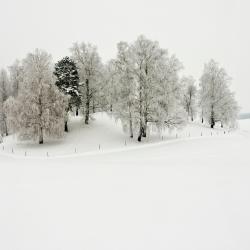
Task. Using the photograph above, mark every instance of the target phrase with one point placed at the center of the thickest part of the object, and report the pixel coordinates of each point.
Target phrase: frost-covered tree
(158, 86)
(229, 110)
(4, 85)
(3, 124)
(4, 94)
(168, 110)
(147, 58)
(216, 99)
(111, 82)
(189, 96)
(149, 86)
(16, 77)
(39, 109)
(90, 73)
(67, 80)
(125, 87)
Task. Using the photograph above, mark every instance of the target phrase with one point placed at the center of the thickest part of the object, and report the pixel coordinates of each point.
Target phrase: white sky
(194, 30)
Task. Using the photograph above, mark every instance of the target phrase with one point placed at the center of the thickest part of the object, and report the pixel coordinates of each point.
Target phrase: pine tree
(67, 80)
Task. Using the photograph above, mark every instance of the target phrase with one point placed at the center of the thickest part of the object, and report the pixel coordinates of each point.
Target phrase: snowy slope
(104, 133)
(187, 194)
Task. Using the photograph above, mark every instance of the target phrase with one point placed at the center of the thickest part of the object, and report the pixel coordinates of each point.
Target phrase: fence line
(27, 153)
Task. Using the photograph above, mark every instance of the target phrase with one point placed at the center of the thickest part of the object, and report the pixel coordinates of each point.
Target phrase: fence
(9, 150)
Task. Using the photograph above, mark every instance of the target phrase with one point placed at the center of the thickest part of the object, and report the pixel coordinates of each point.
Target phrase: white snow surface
(192, 192)
(103, 134)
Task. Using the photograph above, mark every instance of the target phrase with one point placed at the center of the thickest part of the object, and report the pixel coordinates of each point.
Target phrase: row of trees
(141, 87)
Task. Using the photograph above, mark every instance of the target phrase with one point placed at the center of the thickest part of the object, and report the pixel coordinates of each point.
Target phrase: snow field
(189, 194)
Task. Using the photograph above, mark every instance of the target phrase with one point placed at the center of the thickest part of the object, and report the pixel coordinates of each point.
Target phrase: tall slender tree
(189, 96)
(16, 77)
(148, 86)
(125, 107)
(111, 82)
(4, 94)
(90, 73)
(215, 96)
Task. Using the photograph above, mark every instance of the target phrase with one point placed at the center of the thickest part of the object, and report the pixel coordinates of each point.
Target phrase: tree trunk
(40, 135)
(130, 125)
(212, 121)
(145, 123)
(77, 112)
(111, 108)
(87, 102)
(144, 134)
(40, 121)
(6, 130)
(221, 125)
(5, 125)
(140, 112)
(144, 131)
(66, 126)
(93, 108)
(141, 130)
(140, 134)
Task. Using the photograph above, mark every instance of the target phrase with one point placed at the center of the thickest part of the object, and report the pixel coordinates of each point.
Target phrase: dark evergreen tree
(68, 82)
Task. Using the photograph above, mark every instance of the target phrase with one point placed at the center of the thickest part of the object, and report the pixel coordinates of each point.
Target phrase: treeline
(142, 87)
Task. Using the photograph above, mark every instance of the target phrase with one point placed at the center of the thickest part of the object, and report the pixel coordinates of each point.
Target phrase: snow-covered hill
(104, 133)
(191, 193)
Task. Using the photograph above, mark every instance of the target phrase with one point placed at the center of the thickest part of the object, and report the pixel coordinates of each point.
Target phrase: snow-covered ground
(104, 133)
(189, 193)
